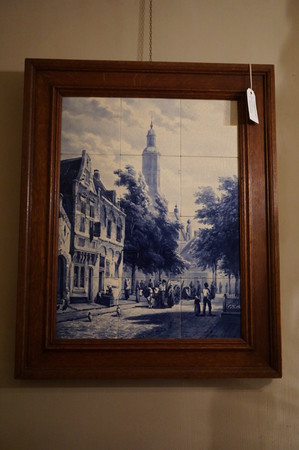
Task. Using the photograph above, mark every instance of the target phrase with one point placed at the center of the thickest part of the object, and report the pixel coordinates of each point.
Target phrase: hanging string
(250, 73)
(151, 30)
(141, 22)
(140, 43)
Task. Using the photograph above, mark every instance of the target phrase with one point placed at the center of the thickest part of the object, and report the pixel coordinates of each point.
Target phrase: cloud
(88, 120)
(195, 138)
(202, 171)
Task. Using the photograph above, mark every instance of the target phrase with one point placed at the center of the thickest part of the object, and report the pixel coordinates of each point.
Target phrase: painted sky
(197, 140)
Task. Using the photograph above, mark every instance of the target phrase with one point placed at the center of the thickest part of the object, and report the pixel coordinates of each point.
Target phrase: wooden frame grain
(38, 353)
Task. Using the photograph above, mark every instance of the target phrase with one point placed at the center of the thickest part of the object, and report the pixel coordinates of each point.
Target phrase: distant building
(91, 234)
(185, 233)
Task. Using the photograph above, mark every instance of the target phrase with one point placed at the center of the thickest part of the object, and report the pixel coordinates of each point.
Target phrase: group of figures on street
(160, 294)
(207, 294)
(163, 293)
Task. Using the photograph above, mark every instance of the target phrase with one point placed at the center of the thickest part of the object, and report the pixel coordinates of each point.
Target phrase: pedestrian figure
(206, 299)
(89, 316)
(224, 302)
(198, 290)
(197, 300)
(118, 312)
(162, 291)
(137, 292)
(156, 295)
(197, 306)
(64, 304)
(192, 290)
(169, 295)
(148, 292)
(127, 288)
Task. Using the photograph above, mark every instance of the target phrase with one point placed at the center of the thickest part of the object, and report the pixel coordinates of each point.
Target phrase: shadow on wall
(287, 115)
(11, 113)
(287, 118)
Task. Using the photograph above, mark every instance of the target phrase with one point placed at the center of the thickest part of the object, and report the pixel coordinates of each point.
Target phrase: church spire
(151, 136)
(151, 163)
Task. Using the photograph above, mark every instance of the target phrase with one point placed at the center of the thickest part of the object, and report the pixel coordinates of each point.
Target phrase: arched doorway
(103, 253)
(61, 279)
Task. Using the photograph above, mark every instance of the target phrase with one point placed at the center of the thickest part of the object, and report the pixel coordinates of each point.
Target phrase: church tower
(151, 164)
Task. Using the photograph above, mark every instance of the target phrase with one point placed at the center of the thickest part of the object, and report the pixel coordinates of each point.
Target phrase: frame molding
(38, 353)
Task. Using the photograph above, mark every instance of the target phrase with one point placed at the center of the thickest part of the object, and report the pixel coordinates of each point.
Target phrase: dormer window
(119, 230)
(83, 205)
(82, 224)
(92, 210)
(104, 215)
(109, 226)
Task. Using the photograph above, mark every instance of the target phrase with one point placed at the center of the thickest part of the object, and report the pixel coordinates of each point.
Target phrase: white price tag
(252, 106)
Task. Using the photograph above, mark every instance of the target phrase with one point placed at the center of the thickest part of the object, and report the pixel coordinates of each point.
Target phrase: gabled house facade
(91, 258)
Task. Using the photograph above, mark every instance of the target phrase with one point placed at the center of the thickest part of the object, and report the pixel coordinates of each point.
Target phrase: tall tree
(151, 239)
(207, 245)
(218, 242)
(229, 212)
(166, 239)
(139, 222)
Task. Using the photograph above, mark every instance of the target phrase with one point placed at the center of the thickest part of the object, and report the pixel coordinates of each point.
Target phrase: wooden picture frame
(39, 354)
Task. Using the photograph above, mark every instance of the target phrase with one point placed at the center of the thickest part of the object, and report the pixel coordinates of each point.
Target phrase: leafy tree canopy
(218, 242)
(150, 237)
(166, 239)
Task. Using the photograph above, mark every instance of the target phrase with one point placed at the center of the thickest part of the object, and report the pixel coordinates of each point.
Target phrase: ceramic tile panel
(137, 266)
(93, 124)
(148, 124)
(148, 311)
(209, 128)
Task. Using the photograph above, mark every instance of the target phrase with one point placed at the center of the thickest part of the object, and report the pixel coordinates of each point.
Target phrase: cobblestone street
(136, 320)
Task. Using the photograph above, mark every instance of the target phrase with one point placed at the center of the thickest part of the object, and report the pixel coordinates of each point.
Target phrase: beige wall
(137, 415)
